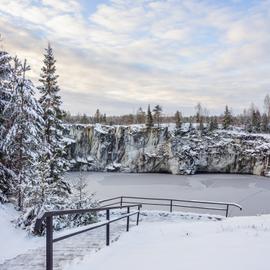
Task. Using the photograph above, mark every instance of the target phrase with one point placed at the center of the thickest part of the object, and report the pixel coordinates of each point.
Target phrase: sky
(118, 55)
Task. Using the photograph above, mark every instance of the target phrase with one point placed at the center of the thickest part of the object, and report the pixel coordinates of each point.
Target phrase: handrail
(48, 216)
(171, 203)
(193, 201)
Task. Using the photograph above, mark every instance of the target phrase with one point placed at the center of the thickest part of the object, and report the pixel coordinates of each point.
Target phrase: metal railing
(48, 217)
(191, 204)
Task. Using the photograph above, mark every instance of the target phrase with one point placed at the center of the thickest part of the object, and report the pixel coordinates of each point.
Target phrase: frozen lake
(252, 192)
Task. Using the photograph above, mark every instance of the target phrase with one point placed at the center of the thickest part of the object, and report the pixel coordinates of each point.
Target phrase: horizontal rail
(198, 204)
(184, 206)
(101, 224)
(177, 200)
(81, 211)
(114, 198)
(48, 216)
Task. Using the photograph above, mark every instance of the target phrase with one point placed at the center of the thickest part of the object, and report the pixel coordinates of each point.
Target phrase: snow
(16, 241)
(240, 243)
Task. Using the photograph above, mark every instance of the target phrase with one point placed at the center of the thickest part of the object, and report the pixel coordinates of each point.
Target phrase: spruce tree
(264, 123)
(52, 114)
(227, 119)
(6, 173)
(157, 113)
(23, 140)
(149, 118)
(97, 116)
(256, 120)
(213, 123)
(178, 120)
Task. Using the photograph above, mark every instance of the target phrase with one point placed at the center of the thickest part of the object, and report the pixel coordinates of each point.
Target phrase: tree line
(251, 120)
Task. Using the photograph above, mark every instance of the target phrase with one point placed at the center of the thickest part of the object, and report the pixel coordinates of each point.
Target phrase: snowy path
(64, 251)
(76, 248)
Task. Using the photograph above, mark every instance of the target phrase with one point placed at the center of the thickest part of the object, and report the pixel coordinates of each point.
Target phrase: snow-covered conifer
(23, 139)
(52, 114)
(227, 119)
(6, 174)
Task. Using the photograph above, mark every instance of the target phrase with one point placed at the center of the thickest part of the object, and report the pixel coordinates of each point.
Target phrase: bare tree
(267, 105)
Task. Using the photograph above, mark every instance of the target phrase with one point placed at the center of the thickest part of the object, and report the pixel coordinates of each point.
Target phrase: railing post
(171, 205)
(49, 243)
(138, 215)
(128, 211)
(227, 210)
(121, 201)
(108, 227)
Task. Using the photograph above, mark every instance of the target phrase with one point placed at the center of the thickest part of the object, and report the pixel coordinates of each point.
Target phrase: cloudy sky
(117, 55)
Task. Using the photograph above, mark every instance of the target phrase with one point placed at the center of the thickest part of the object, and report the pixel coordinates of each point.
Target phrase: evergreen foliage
(213, 125)
(178, 120)
(264, 123)
(6, 174)
(23, 140)
(149, 118)
(52, 114)
(227, 119)
(157, 113)
(32, 145)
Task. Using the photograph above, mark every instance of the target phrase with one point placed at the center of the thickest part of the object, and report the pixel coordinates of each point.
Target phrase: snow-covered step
(64, 251)
(77, 247)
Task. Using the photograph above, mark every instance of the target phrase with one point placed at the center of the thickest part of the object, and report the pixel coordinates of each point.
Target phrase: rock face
(185, 151)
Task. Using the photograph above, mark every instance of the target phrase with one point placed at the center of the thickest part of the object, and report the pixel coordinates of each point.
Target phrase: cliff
(184, 151)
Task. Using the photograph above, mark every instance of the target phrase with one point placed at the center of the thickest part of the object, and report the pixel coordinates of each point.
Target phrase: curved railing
(171, 203)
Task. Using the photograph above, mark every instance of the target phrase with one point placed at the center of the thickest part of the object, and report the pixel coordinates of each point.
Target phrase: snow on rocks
(186, 151)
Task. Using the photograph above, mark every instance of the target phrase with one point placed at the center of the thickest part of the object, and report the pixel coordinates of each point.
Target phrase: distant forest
(251, 120)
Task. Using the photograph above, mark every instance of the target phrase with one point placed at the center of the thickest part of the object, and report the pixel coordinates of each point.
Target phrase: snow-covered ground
(239, 243)
(161, 241)
(14, 241)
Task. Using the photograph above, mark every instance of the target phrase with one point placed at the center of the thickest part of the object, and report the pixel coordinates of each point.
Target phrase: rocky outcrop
(138, 149)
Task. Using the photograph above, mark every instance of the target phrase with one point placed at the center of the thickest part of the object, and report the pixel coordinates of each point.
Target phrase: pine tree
(256, 120)
(227, 119)
(97, 116)
(178, 120)
(149, 118)
(23, 140)
(213, 123)
(157, 113)
(52, 114)
(264, 123)
(199, 115)
(6, 173)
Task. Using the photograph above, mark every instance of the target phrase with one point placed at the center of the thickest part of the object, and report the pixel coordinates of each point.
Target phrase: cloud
(130, 53)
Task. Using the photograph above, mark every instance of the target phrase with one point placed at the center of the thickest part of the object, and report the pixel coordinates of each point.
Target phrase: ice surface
(252, 192)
